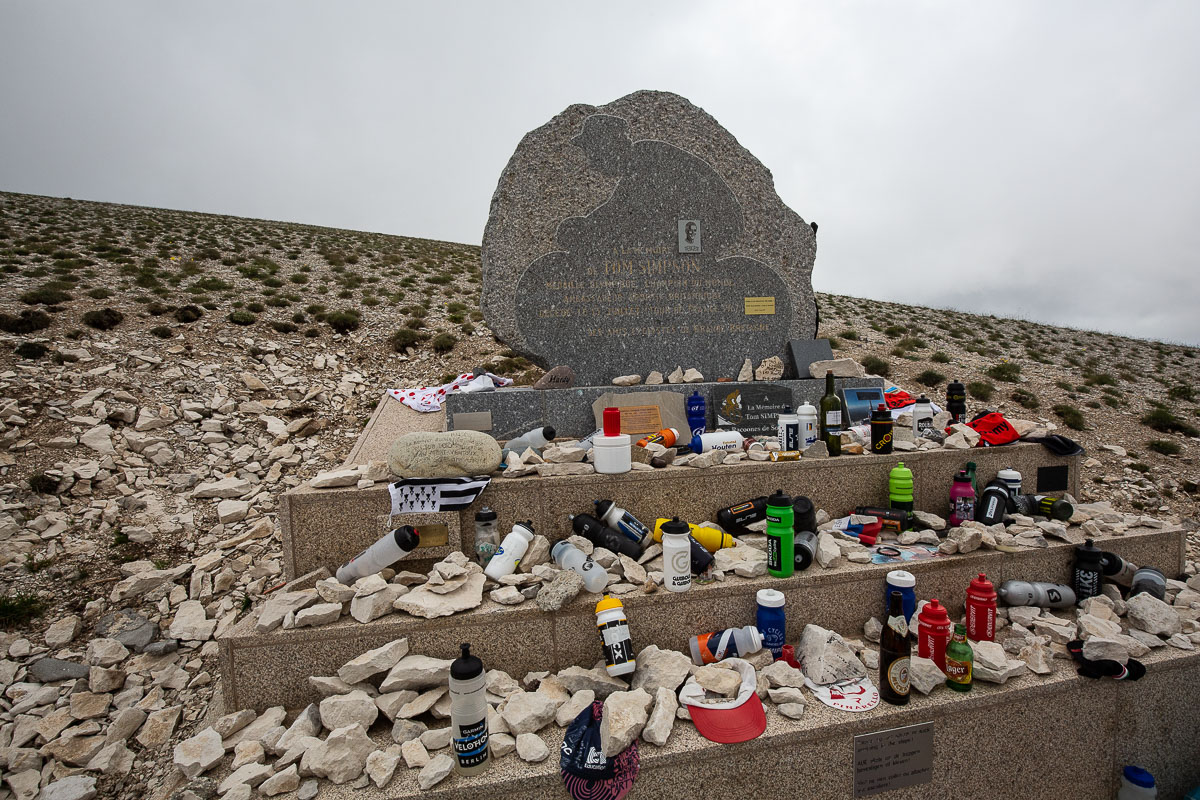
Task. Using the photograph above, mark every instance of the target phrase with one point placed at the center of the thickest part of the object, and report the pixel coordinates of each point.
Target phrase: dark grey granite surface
(516, 410)
(801, 353)
(641, 236)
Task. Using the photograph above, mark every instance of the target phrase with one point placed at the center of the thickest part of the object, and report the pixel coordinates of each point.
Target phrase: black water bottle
(1117, 569)
(956, 401)
(882, 428)
(804, 514)
(601, 535)
(1085, 579)
(737, 517)
(993, 503)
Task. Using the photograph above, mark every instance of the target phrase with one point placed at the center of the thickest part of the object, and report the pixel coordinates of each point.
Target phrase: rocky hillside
(144, 352)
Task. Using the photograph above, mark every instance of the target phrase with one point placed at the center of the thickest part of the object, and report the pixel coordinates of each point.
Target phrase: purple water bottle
(696, 414)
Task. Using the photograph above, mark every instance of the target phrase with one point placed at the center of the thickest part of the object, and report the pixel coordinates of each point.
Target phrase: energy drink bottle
(831, 417)
(781, 536)
(881, 430)
(956, 401)
(386, 551)
(613, 627)
(960, 659)
(1085, 578)
(469, 714)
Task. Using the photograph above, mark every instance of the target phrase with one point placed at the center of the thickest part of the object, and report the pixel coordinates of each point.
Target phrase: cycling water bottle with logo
(781, 535)
(613, 627)
(882, 428)
(677, 555)
(469, 714)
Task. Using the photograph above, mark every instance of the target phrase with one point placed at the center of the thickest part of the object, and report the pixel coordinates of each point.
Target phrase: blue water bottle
(769, 619)
(696, 415)
(904, 582)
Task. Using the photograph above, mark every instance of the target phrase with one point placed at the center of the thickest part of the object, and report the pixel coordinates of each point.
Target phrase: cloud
(1006, 158)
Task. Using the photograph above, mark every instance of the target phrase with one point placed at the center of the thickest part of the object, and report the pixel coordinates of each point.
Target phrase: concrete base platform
(1058, 736)
(272, 669)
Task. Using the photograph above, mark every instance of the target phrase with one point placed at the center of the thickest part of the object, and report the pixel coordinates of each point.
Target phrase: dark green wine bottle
(831, 417)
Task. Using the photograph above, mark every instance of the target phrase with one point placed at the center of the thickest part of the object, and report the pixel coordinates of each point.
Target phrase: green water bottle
(781, 537)
(900, 487)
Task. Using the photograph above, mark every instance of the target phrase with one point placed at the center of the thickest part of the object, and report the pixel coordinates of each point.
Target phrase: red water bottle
(981, 610)
(933, 633)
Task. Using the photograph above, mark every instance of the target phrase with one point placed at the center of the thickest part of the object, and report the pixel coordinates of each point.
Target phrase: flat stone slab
(640, 235)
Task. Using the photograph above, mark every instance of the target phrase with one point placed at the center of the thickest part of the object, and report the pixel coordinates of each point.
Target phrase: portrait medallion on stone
(689, 236)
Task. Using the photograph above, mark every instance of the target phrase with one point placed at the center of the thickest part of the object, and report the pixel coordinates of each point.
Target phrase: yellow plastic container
(711, 539)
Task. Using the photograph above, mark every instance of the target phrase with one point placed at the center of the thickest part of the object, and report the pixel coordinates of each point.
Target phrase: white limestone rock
(662, 719)
(597, 680)
(569, 710)
(381, 766)
(658, 668)
(531, 748)
(782, 674)
(625, 715)
(373, 662)
(341, 758)
(1100, 648)
(924, 674)
(344, 710)
(826, 658)
(423, 601)
(528, 712)
(200, 753)
(415, 671)
(1147, 613)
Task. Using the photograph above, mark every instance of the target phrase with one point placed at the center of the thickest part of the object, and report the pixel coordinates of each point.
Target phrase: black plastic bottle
(882, 429)
(956, 401)
(737, 517)
(601, 535)
(1085, 578)
(1040, 504)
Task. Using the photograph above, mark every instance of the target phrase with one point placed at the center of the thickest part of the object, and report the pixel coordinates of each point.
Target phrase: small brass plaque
(760, 305)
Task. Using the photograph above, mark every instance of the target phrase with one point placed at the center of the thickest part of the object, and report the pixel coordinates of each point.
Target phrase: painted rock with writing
(444, 454)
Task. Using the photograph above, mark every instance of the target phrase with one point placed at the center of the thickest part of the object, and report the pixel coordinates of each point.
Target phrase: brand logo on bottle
(471, 745)
(774, 553)
(898, 676)
(883, 441)
(615, 642)
(958, 671)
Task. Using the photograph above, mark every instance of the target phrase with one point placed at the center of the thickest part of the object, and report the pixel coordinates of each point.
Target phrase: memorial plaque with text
(640, 236)
(893, 759)
(751, 408)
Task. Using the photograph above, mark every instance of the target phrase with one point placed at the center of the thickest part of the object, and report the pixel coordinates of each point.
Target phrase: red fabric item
(993, 429)
(898, 398)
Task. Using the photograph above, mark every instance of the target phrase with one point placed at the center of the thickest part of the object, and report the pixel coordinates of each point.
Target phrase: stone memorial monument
(641, 236)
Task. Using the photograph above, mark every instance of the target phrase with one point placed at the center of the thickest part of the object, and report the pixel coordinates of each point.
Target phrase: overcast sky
(1032, 159)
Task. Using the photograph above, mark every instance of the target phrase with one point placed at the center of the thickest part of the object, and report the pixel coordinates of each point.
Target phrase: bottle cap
(902, 579)
(779, 499)
(485, 514)
(612, 421)
(771, 598)
(1138, 777)
(407, 537)
(962, 477)
(675, 525)
(934, 612)
(602, 507)
(466, 666)
(982, 586)
(549, 433)
(609, 602)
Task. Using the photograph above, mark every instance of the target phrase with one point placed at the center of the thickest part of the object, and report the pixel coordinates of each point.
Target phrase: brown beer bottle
(894, 652)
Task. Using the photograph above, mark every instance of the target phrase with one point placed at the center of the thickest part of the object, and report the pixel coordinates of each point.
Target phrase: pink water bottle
(962, 499)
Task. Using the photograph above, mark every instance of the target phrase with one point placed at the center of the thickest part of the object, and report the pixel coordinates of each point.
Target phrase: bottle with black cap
(956, 401)
(469, 714)
(737, 517)
(601, 535)
(386, 551)
(1085, 578)
(804, 523)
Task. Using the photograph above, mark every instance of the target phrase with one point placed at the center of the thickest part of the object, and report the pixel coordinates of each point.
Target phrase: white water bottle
(536, 438)
(387, 551)
(613, 627)
(511, 551)
(468, 714)
(677, 555)
(568, 556)
(922, 417)
(808, 424)
(717, 440)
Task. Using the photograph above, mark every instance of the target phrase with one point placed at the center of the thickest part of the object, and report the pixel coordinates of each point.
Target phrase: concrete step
(272, 669)
(326, 527)
(1059, 736)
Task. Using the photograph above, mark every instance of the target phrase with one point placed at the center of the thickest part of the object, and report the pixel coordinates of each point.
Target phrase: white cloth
(430, 398)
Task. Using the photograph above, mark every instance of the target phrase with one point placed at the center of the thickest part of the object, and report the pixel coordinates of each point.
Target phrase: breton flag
(415, 495)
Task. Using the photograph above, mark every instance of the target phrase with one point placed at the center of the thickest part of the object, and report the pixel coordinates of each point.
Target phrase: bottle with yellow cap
(710, 539)
(613, 627)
